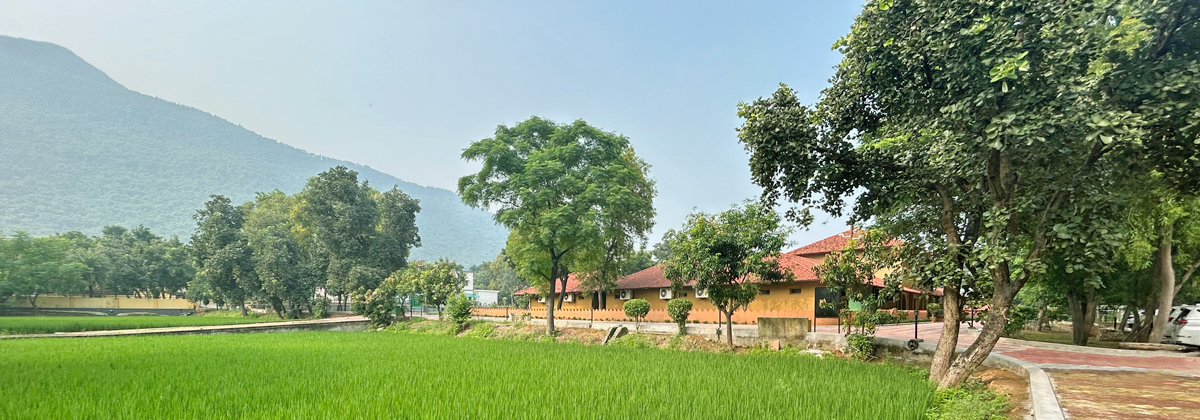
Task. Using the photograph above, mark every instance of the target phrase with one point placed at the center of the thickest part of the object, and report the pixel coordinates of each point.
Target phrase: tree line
(120, 262)
(335, 237)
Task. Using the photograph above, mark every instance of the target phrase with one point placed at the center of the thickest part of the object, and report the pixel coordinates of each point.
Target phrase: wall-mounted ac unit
(570, 297)
(702, 293)
(541, 299)
(624, 294)
(665, 293)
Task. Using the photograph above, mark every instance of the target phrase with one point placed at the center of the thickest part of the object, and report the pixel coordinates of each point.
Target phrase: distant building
(481, 297)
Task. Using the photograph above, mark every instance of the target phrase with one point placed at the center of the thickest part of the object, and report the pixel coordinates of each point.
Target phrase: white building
(481, 297)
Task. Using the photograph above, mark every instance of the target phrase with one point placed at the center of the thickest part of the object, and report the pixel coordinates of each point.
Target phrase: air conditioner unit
(702, 293)
(570, 297)
(665, 293)
(624, 294)
(541, 299)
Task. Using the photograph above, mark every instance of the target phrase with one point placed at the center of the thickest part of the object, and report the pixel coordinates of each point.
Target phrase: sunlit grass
(324, 375)
(51, 324)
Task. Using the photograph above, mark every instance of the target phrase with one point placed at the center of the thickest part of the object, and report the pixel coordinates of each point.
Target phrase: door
(825, 294)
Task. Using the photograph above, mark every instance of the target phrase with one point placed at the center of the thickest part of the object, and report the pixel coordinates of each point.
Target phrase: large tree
(575, 198)
(358, 235)
(978, 130)
(730, 255)
(223, 257)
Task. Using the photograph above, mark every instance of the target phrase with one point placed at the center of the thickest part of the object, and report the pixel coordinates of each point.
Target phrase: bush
(377, 305)
(969, 402)
(637, 309)
(679, 309)
(860, 347)
(321, 307)
(459, 308)
(637, 341)
(1018, 317)
(935, 310)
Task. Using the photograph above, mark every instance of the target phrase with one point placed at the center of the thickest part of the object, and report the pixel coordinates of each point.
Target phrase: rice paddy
(344, 375)
(10, 325)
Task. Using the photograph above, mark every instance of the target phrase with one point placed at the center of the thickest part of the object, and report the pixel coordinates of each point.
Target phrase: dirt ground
(1086, 394)
(1014, 386)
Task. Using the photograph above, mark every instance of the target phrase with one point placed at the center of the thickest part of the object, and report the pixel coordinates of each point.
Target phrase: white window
(665, 293)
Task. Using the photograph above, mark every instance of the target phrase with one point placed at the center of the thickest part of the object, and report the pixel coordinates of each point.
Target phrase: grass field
(51, 324)
(344, 375)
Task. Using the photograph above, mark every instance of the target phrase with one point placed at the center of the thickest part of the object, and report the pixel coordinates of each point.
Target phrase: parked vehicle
(1187, 326)
(1169, 333)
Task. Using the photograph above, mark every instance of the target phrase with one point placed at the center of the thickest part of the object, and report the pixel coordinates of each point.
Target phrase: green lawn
(345, 375)
(51, 324)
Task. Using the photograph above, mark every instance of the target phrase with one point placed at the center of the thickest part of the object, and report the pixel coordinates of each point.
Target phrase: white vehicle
(1169, 333)
(1187, 326)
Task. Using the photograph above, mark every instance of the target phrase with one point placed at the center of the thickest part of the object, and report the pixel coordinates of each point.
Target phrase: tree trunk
(244, 311)
(33, 300)
(1124, 319)
(729, 326)
(1043, 316)
(999, 306)
(550, 308)
(1083, 313)
(1187, 275)
(1166, 295)
(943, 356)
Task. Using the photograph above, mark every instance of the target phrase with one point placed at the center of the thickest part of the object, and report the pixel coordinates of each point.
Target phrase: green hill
(79, 151)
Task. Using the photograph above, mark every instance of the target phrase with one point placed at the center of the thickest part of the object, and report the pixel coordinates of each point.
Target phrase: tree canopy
(576, 199)
(989, 134)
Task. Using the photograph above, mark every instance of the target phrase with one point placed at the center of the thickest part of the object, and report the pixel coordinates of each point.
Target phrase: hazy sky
(404, 86)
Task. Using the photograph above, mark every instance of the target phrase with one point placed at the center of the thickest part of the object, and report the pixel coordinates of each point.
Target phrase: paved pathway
(1056, 356)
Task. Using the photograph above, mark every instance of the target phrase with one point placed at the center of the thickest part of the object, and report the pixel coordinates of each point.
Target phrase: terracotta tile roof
(650, 278)
(833, 243)
(573, 286)
(801, 267)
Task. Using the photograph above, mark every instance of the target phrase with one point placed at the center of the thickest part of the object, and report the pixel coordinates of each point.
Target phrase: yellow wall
(48, 302)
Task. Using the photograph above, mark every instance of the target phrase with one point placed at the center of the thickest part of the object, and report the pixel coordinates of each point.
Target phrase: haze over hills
(79, 151)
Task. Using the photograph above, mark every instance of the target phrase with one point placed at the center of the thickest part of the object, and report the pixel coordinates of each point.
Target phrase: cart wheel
(913, 344)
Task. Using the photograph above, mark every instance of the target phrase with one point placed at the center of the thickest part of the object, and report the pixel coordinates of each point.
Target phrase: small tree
(729, 254)
(637, 309)
(432, 283)
(459, 309)
(679, 309)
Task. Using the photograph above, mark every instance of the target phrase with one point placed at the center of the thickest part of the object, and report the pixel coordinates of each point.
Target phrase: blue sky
(404, 86)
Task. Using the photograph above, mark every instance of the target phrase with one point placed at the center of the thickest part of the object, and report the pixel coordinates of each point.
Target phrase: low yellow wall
(51, 302)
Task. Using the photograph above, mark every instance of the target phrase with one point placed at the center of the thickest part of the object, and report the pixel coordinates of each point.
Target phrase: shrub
(1018, 317)
(377, 305)
(935, 310)
(637, 341)
(637, 309)
(459, 308)
(679, 309)
(860, 346)
(321, 307)
(969, 402)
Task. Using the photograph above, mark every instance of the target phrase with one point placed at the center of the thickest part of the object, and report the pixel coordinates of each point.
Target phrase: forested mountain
(78, 151)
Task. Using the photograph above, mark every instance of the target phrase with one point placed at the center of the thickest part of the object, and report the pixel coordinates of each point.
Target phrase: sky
(405, 86)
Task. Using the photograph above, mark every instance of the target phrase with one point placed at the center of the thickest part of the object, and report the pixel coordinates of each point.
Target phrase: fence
(697, 316)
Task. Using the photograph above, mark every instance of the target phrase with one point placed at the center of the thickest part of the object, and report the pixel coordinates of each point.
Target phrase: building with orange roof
(800, 296)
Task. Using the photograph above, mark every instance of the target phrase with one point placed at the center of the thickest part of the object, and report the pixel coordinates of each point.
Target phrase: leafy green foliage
(78, 379)
(728, 254)
(432, 283)
(969, 402)
(459, 308)
(80, 152)
(860, 346)
(575, 198)
(985, 136)
(636, 309)
(678, 310)
(378, 305)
